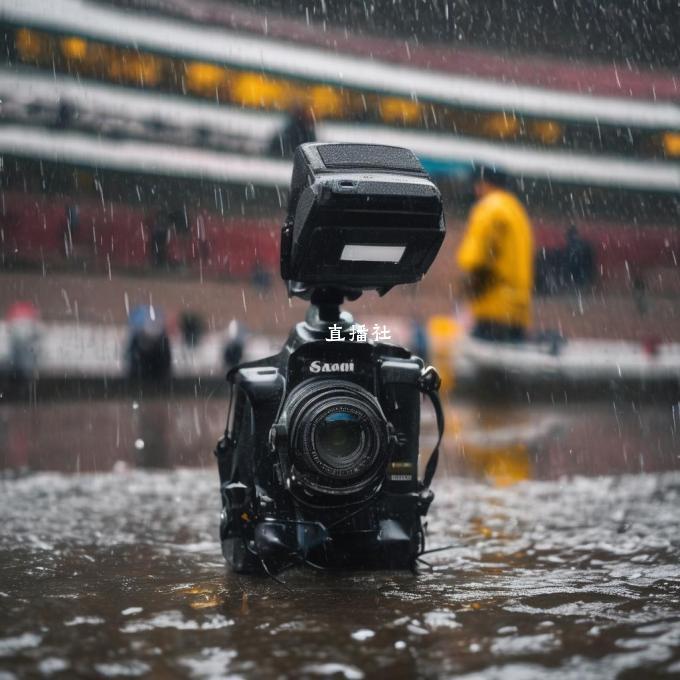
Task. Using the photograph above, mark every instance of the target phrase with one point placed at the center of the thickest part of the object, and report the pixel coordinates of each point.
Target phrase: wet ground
(566, 559)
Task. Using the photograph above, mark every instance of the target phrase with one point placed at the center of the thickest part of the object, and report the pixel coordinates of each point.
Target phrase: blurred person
(180, 238)
(639, 289)
(261, 277)
(579, 259)
(299, 128)
(496, 258)
(192, 327)
(25, 333)
(160, 237)
(66, 115)
(548, 271)
(148, 351)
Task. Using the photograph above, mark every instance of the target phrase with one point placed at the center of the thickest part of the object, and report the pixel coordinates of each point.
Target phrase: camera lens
(338, 438)
(338, 435)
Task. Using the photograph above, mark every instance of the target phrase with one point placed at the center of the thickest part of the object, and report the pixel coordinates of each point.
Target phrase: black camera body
(353, 501)
(319, 462)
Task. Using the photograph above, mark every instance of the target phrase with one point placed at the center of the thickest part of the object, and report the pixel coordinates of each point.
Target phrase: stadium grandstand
(116, 118)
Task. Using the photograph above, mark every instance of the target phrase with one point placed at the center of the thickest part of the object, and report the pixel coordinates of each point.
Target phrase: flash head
(360, 217)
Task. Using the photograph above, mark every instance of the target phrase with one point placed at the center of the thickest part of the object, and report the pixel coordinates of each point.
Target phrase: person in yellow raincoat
(496, 257)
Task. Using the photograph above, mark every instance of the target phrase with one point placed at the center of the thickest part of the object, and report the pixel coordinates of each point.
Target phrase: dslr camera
(319, 463)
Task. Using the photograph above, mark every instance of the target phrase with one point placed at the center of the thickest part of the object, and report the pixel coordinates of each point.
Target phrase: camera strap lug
(223, 444)
(429, 380)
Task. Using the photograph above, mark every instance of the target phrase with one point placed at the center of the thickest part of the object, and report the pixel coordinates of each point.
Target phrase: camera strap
(431, 466)
(429, 384)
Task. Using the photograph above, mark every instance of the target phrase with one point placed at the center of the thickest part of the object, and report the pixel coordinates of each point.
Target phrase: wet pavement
(565, 560)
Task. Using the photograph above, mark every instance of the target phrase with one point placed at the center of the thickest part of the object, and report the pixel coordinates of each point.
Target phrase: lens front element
(338, 438)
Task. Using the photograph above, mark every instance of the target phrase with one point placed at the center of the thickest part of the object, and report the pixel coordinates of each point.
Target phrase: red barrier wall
(34, 229)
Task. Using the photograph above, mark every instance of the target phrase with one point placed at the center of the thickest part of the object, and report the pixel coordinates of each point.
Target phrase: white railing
(176, 38)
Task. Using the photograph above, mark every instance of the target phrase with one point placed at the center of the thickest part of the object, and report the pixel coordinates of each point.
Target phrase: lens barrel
(338, 436)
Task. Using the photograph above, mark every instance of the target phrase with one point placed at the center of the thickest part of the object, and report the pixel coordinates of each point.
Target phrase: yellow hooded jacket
(499, 239)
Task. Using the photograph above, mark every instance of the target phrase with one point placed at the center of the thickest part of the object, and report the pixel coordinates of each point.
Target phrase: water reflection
(96, 436)
(123, 577)
(505, 444)
(119, 573)
(500, 443)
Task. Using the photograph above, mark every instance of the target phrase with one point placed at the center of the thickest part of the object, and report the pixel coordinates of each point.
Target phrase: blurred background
(145, 150)
(146, 155)
(146, 147)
